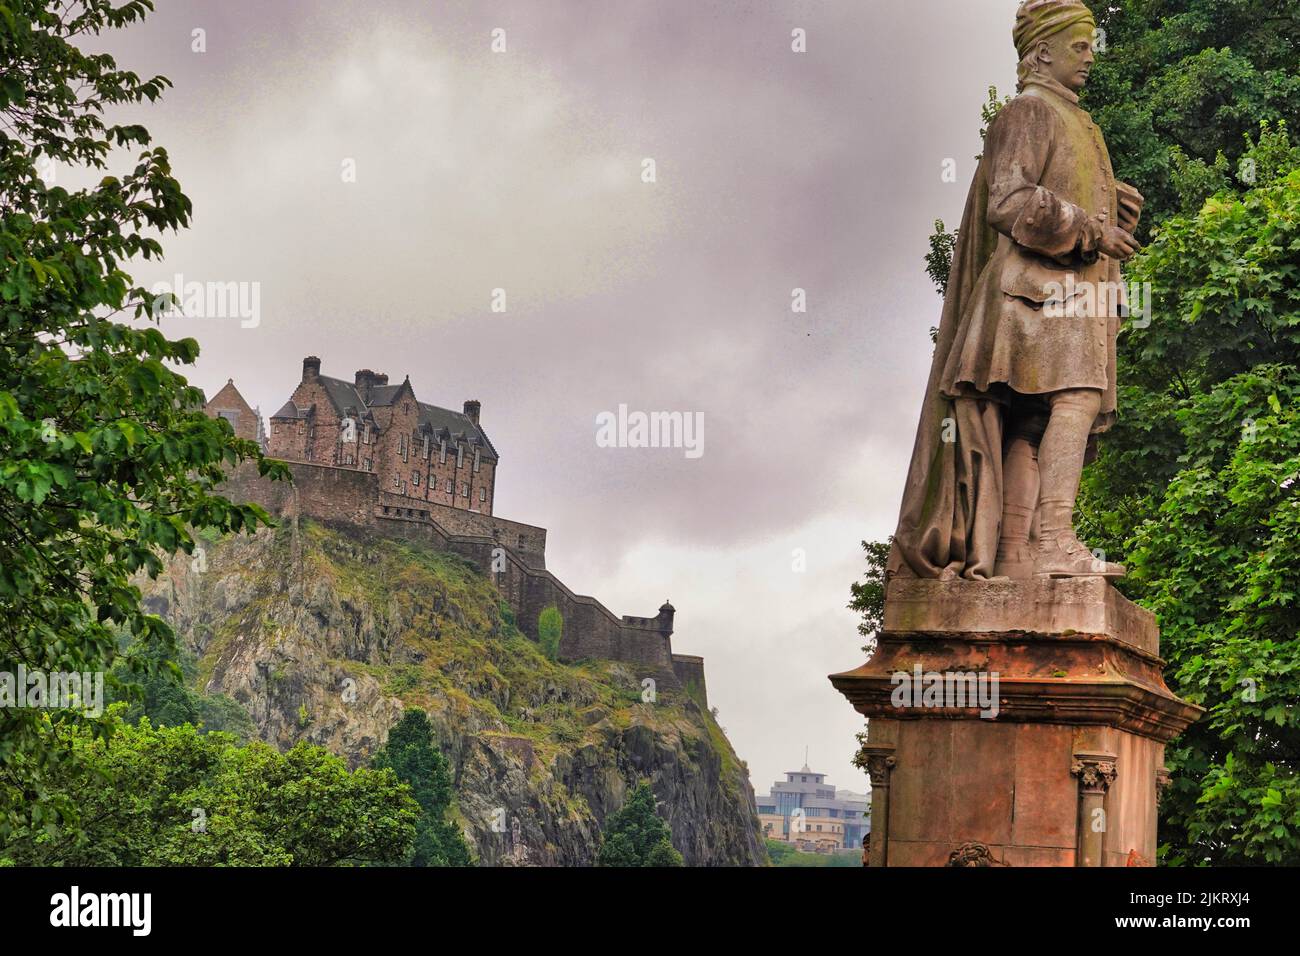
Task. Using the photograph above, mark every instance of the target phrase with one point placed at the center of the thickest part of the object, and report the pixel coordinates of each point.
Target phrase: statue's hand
(1118, 243)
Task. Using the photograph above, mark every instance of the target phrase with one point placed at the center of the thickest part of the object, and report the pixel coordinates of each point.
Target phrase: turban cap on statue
(1039, 19)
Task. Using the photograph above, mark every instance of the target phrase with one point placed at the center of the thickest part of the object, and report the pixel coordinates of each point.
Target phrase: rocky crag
(326, 635)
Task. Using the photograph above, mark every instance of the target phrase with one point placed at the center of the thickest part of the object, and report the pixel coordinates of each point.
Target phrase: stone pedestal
(1031, 721)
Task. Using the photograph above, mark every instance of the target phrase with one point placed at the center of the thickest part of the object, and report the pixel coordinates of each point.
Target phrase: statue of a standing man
(1024, 366)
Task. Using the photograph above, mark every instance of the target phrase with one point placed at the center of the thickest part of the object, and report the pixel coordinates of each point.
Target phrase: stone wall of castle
(511, 553)
(456, 475)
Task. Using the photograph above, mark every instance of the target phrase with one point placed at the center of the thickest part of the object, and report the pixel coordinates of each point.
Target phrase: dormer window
(477, 457)
(442, 451)
(426, 447)
(460, 455)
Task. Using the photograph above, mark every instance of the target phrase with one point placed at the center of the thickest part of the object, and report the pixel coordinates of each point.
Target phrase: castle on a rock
(368, 454)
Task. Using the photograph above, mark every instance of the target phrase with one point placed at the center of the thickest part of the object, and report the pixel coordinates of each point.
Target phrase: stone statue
(1024, 367)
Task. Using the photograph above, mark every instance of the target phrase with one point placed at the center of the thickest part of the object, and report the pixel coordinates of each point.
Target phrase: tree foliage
(107, 462)
(1181, 82)
(163, 796)
(867, 596)
(1197, 484)
(150, 688)
(412, 754)
(550, 629)
(635, 836)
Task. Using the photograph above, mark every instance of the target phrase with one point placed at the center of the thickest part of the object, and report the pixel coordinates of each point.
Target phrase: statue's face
(1071, 56)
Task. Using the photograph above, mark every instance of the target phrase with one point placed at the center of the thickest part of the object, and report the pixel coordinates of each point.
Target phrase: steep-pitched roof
(290, 410)
(381, 395)
(230, 394)
(454, 425)
(342, 395)
(347, 399)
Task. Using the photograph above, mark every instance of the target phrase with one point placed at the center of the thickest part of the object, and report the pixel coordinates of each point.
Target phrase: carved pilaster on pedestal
(880, 763)
(1096, 772)
(1078, 681)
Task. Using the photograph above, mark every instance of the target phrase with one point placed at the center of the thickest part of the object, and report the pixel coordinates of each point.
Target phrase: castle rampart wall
(511, 553)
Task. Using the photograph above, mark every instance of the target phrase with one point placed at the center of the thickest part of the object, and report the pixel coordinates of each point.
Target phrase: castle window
(406, 408)
(397, 482)
(368, 464)
(477, 456)
(464, 489)
(482, 494)
(347, 459)
(449, 488)
(442, 453)
(365, 436)
(460, 456)
(426, 447)
(415, 478)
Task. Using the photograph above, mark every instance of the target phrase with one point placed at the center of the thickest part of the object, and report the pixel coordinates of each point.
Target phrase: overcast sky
(522, 170)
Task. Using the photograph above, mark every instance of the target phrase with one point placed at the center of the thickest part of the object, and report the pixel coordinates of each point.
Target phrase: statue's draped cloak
(939, 521)
(1044, 178)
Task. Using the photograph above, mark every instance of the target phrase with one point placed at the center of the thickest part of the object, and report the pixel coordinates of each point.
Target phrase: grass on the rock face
(457, 649)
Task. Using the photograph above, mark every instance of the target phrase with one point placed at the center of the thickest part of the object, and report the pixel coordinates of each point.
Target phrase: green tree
(1180, 82)
(411, 753)
(1197, 485)
(867, 596)
(163, 796)
(107, 462)
(152, 689)
(550, 628)
(635, 836)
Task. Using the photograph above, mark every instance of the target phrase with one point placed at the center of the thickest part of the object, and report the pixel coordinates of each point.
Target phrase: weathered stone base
(1011, 787)
(1065, 773)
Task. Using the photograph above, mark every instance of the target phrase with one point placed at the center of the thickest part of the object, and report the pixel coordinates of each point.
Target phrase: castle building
(370, 455)
(807, 811)
(417, 450)
(230, 405)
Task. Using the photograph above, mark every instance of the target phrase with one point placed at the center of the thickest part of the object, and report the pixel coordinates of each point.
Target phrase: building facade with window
(418, 450)
(807, 811)
(245, 420)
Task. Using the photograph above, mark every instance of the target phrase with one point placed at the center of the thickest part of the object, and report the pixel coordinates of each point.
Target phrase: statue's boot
(1062, 555)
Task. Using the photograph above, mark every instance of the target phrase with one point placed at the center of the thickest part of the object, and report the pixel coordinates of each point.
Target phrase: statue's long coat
(1025, 242)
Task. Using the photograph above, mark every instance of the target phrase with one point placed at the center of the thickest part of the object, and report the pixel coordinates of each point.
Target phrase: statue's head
(1054, 38)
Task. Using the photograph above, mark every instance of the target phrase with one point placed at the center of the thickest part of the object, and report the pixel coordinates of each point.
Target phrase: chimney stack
(366, 380)
(472, 409)
(310, 368)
